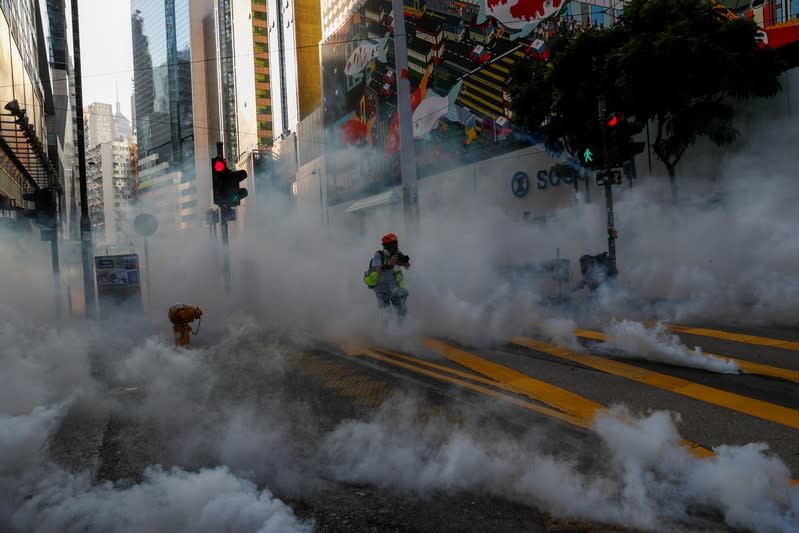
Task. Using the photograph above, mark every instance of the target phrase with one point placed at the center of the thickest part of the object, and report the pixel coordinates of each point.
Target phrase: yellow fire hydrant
(181, 315)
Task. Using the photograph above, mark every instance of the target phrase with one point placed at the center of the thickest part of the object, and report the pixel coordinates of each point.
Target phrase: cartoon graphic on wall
(366, 51)
(522, 15)
(461, 56)
(432, 108)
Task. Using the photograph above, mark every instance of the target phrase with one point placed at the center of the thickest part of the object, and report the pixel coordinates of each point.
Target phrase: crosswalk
(492, 372)
(748, 367)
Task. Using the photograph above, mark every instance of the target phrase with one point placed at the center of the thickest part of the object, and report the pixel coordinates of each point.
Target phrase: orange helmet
(388, 238)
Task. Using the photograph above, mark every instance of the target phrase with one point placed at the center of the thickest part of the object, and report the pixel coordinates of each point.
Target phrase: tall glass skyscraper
(164, 115)
(162, 77)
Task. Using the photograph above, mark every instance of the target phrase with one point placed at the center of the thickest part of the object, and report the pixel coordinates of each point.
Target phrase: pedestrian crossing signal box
(608, 176)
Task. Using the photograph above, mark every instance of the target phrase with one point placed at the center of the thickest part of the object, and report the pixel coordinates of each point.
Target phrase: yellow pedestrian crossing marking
(747, 366)
(737, 337)
(560, 403)
(416, 365)
(541, 391)
(568, 402)
(750, 406)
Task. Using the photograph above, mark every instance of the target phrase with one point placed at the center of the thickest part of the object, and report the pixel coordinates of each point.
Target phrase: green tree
(683, 64)
(679, 63)
(557, 99)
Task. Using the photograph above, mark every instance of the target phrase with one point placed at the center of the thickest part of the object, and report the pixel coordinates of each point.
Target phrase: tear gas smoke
(627, 338)
(559, 331)
(177, 397)
(721, 261)
(707, 259)
(651, 481)
(203, 403)
(175, 500)
(21, 440)
(32, 374)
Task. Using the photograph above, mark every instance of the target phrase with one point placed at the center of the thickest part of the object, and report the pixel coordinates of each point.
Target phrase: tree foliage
(679, 63)
(558, 98)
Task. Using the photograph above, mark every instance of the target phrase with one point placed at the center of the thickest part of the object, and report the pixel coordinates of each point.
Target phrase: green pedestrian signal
(227, 192)
(588, 156)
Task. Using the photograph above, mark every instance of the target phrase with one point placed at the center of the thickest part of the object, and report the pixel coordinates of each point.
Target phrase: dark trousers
(395, 298)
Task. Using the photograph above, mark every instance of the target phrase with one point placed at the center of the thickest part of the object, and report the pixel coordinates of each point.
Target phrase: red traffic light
(614, 119)
(219, 165)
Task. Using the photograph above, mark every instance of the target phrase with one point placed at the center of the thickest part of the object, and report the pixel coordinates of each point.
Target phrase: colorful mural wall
(460, 56)
(778, 20)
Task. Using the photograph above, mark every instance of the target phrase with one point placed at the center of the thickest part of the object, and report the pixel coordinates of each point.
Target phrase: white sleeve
(377, 260)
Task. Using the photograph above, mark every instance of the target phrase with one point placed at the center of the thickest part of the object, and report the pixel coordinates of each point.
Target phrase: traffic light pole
(223, 219)
(608, 191)
(226, 246)
(85, 220)
(611, 230)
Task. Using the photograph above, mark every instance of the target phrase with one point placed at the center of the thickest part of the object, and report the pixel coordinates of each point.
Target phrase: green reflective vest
(372, 275)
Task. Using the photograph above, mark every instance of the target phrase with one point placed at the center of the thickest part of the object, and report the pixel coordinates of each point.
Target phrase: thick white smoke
(627, 338)
(649, 480)
(22, 438)
(719, 261)
(40, 364)
(166, 501)
(51, 367)
(715, 257)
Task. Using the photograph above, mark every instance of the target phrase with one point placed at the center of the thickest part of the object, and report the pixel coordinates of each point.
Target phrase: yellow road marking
(556, 397)
(585, 424)
(590, 334)
(449, 370)
(750, 406)
(737, 337)
(747, 366)
(766, 370)
(352, 349)
(519, 383)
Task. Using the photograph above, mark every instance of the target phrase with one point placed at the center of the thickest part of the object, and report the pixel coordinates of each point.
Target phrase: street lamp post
(407, 152)
(85, 220)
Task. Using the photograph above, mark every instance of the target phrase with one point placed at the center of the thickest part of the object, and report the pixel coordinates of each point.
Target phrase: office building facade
(27, 158)
(263, 86)
(122, 124)
(164, 110)
(100, 124)
(294, 35)
(111, 187)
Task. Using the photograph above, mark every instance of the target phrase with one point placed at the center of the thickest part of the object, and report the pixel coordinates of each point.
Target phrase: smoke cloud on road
(174, 500)
(647, 479)
(627, 338)
(124, 368)
(224, 443)
(230, 437)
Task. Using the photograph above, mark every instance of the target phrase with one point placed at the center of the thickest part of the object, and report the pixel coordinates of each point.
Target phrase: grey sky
(106, 56)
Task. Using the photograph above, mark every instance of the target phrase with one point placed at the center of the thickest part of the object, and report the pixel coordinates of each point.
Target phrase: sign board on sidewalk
(118, 282)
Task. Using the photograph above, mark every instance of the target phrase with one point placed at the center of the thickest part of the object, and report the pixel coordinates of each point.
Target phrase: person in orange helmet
(385, 277)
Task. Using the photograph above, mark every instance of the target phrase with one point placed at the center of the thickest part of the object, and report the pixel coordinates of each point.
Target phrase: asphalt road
(505, 398)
